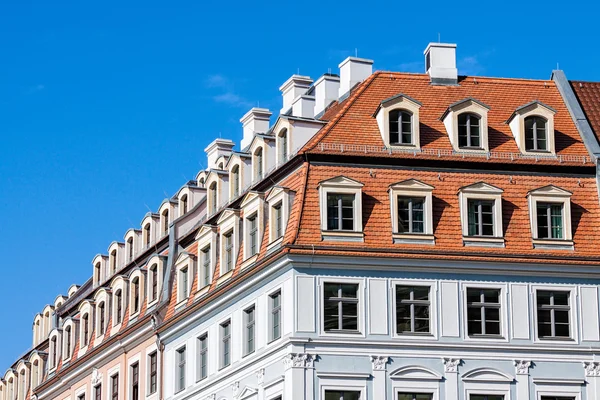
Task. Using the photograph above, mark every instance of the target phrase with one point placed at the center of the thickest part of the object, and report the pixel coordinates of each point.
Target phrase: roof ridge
(490, 78)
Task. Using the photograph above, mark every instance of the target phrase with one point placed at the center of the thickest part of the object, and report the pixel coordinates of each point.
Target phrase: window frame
(414, 189)
(469, 115)
(342, 185)
(180, 369)
(574, 311)
(272, 310)
(403, 103)
(225, 338)
(283, 197)
(399, 120)
(152, 373)
(516, 122)
(361, 331)
(249, 324)
(450, 120)
(554, 195)
(202, 353)
(412, 303)
(433, 308)
(482, 191)
(206, 239)
(228, 223)
(536, 118)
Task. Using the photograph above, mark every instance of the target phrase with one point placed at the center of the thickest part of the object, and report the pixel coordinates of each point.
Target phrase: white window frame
(278, 195)
(559, 389)
(149, 350)
(130, 362)
(403, 103)
(220, 360)
(279, 146)
(71, 324)
(503, 298)
(149, 281)
(198, 377)
(255, 176)
(185, 260)
(240, 187)
(343, 385)
(485, 192)
(81, 391)
(244, 335)
(361, 305)
(119, 284)
(141, 287)
(415, 379)
(450, 120)
(573, 313)
(516, 122)
(88, 308)
(270, 338)
(433, 309)
(342, 185)
(412, 188)
(177, 378)
(228, 223)
(551, 194)
(115, 371)
(206, 237)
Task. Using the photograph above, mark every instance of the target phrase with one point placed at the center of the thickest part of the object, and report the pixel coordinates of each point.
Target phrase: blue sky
(106, 107)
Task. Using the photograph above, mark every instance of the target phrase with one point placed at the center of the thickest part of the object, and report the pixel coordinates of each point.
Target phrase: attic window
(183, 203)
(467, 126)
(235, 181)
(147, 235)
(165, 218)
(213, 197)
(130, 249)
(398, 121)
(400, 127)
(282, 140)
(468, 130)
(412, 216)
(481, 215)
(550, 217)
(535, 134)
(113, 262)
(258, 164)
(532, 125)
(341, 209)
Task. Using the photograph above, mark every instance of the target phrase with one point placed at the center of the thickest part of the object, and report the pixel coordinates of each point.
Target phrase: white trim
(573, 312)
(504, 316)
(481, 191)
(433, 308)
(382, 116)
(360, 293)
(341, 185)
(343, 384)
(412, 188)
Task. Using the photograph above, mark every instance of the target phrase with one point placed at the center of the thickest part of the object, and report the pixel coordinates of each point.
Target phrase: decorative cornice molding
(522, 367)
(235, 388)
(451, 364)
(299, 360)
(260, 376)
(96, 377)
(592, 368)
(379, 362)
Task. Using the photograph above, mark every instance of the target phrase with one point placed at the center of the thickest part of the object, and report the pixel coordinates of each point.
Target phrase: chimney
(304, 106)
(353, 70)
(326, 91)
(218, 148)
(440, 63)
(296, 86)
(254, 121)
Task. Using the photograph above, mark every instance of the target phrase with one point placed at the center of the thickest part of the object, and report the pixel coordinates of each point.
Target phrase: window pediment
(251, 199)
(481, 215)
(341, 182)
(204, 231)
(482, 188)
(184, 257)
(467, 125)
(487, 375)
(275, 192)
(416, 373)
(398, 121)
(542, 141)
(550, 190)
(411, 184)
(227, 215)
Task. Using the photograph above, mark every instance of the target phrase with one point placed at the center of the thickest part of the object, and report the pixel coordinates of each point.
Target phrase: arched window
(46, 324)
(98, 273)
(53, 352)
(67, 342)
(22, 385)
(183, 203)
(220, 165)
(101, 318)
(201, 181)
(86, 329)
(213, 197)
(118, 306)
(35, 373)
(130, 249)
(469, 133)
(154, 281)
(11, 389)
(38, 333)
(165, 217)
(283, 145)
(258, 164)
(113, 262)
(536, 137)
(147, 235)
(400, 127)
(235, 180)
(135, 295)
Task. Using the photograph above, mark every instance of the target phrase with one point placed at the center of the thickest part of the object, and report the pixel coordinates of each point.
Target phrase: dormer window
(165, 222)
(412, 216)
(147, 235)
(400, 127)
(341, 209)
(135, 295)
(154, 282)
(481, 215)
(67, 342)
(258, 164)
(53, 352)
(532, 125)
(398, 121)
(118, 307)
(183, 203)
(468, 130)
(130, 249)
(235, 181)
(113, 262)
(550, 217)
(86, 330)
(283, 145)
(228, 251)
(536, 138)
(213, 197)
(466, 125)
(98, 273)
(101, 319)
(183, 282)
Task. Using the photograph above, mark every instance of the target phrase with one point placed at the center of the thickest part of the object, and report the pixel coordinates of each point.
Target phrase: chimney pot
(295, 86)
(440, 63)
(327, 90)
(218, 148)
(304, 106)
(353, 70)
(254, 121)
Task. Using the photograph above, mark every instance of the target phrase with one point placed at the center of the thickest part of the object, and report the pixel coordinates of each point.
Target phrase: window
(549, 220)
(411, 217)
(67, 342)
(202, 357)
(278, 220)
(135, 294)
(98, 392)
(413, 309)
(184, 204)
(468, 130)
(147, 235)
(119, 306)
(253, 234)
(486, 397)
(339, 395)
(275, 308)
(283, 146)
(483, 312)
(86, 329)
(97, 273)
(165, 221)
(114, 387)
(152, 382)
(249, 319)
(341, 307)
(183, 281)
(23, 386)
(130, 249)
(535, 134)
(228, 246)
(400, 127)
(101, 318)
(225, 343)
(206, 266)
(415, 396)
(553, 311)
(135, 381)
(35, 373)
(258, 164)
(181, 360)
(113, 262)
(213, 197)
(481, 217)
(154, 279)
(557, 398)
(235, 181)
(340, 212)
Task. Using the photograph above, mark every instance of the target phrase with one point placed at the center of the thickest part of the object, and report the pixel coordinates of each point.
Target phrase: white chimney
(353, 70)
(440, 63)
(326, 91)
(218, 148)
(254, 121)
(296, 86)
(304, 106)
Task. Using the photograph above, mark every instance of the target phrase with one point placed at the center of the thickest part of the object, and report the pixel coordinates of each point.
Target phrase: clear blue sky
(105, 108)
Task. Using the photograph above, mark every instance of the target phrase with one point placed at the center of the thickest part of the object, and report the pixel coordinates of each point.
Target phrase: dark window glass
(184, 283)
(278, 220)
(181, 362)
(340, 212)
(154, 277)
(481, 217)
(415, 396)
(258, 162)
(535, 134)
(553, 314)
(275, 300)
(135, 381)
(341, 307)
(283, 145)
(102, 316)
(153, 372)
(253, 234)
(206, 266)
(486, 397)
(236, 181)
(98, 392)
(229, 251)
(250, 328)
(203, 357)
(469, 130)
(412, 309)
(549, 220)
(411, 216)
(341, 395)
(114, 387)
(483, 312)
(225, 344)
(400, 127)
(119, 306)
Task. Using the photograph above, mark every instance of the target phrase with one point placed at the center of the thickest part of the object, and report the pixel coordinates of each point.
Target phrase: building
(388, 236)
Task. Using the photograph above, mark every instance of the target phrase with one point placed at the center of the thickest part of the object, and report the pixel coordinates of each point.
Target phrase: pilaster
(296, 382)
(451, 373)
(592, 376)
(379, 364)
(522, 372)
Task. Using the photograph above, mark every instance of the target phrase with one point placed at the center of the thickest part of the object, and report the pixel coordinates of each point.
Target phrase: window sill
(481, 241)
(342, 332)
(202, 291)
(403, 146)
(543, 153)
(556, 339)
(486, 337)
(342, 236)
(224, 277)
(249, 261)
(413, 238)
(468, 150)
(553, 244)
(181, 303)
(275, 243)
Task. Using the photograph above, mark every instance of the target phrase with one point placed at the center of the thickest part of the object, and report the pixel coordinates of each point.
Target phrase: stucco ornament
(451, 364)
(522, 367)
(379, 362)
(299, 360)
(260, 376)
(592, 368)
(96, 377)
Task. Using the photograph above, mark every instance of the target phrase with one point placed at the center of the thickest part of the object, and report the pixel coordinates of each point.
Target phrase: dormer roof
(526, 107)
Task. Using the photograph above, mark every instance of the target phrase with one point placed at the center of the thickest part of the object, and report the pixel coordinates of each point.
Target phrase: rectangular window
(119, 306)
(275, 306)
(411, 217)
(225, 344)
(553, 311)
(184, 280)
(412, 309)
(98, 392)
(114, 387)
(549, 221)
(181, 360)
(152, 382)
(101, 312)
(340, 212)
(228, 245)
(481, 217)
(249, 317)
(486, 397)
(341, 395)
(483, 312)
(341, 307)
(154, 277)
(135, 381)
(415, 396)
(206, 266)
(202, 357)
(557, 398)
(278, 216)
(253, 234)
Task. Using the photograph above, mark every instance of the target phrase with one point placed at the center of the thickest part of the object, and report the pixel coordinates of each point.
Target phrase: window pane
(491, 295)
(561, 298)
(403, 292)
(349, 290)
(420, 293)
(331, 290)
